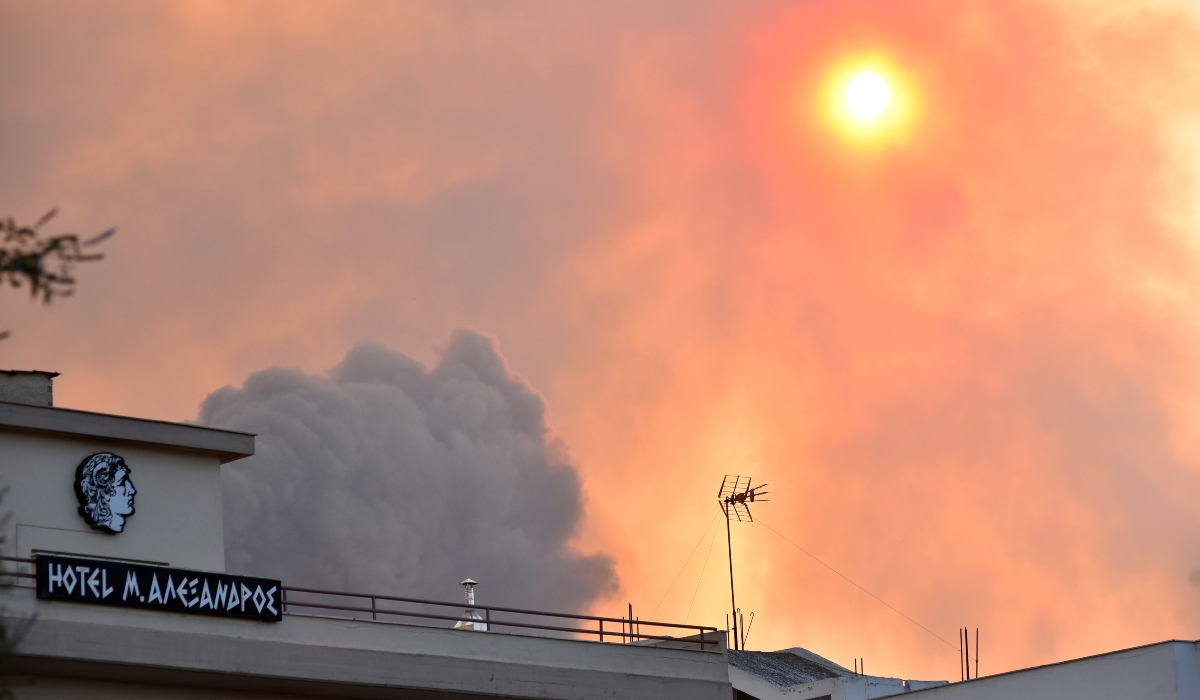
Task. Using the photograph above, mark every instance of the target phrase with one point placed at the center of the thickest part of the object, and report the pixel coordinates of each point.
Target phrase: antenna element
(735, 498)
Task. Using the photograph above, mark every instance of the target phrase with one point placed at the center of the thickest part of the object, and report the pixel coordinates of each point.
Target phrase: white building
(799, 674)
(114, 540)
(1164, 671)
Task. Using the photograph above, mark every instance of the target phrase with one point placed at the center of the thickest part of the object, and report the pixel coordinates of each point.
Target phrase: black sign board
(129, 585)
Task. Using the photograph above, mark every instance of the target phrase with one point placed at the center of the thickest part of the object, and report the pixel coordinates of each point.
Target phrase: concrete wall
(42, 688)
(28, 387)
(759, 688)
(844, 688)
(178, 518)
(79, 650)
(1164, 671)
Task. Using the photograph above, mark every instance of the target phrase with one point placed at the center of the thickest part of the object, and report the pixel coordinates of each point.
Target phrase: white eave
(227, 445)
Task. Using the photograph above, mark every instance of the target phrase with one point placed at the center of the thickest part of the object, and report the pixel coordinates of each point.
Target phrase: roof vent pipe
(471, 619)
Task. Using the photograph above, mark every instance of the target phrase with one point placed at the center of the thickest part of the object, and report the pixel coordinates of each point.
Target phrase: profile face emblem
(104, 491)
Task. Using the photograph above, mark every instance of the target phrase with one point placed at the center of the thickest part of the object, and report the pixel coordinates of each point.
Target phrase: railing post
(373, 612)
(602, 630)
(487, 615)
(283, 599)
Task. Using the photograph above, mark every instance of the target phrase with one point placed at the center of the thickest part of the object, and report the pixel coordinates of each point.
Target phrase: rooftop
(228, 445)
(786, 668)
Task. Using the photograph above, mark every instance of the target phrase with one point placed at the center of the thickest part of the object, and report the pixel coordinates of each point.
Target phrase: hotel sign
(128, 585)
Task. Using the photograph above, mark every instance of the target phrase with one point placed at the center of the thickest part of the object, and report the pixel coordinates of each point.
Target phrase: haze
(963, 353)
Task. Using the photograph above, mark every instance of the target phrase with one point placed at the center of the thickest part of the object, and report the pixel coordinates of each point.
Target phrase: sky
(960, 345)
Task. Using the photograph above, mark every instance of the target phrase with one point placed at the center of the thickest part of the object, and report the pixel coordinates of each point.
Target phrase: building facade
(113, 549)
(115, 552)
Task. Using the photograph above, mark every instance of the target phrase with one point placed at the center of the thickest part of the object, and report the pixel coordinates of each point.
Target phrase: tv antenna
(735, 498)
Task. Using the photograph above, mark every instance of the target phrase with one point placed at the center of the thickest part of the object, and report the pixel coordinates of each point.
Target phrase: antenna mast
(734, 498)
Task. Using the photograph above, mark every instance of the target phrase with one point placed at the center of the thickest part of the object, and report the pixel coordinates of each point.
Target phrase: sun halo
(867, 95)
(868, 100)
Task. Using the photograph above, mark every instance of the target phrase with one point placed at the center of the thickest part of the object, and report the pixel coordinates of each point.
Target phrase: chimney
(31, 387)
(471, 619)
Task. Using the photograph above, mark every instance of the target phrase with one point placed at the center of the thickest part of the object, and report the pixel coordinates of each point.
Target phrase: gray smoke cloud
(384, 477)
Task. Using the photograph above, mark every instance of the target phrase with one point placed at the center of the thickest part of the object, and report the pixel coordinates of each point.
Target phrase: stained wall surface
(177, 518)
(72, 647)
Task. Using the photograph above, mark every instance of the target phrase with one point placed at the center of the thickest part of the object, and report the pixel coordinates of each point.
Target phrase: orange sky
(961, 352)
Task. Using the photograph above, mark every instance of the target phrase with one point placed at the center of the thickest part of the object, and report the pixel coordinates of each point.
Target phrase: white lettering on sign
(86, 580)
(56, 576)
(155, 591)
(82, 578)
(94, 583)
(131, 586)
(69, 579)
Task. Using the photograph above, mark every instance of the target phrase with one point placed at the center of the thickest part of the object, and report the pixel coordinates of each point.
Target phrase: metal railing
(6, 574)
(382, 607)
(623, 629)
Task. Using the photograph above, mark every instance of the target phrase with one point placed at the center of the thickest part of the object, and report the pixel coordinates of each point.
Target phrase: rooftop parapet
(32, 387)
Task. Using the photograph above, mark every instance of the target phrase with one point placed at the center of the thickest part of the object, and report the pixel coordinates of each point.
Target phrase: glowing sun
(867, 95)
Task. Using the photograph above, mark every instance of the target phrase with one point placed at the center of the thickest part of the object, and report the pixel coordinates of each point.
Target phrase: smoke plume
(384, 477)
